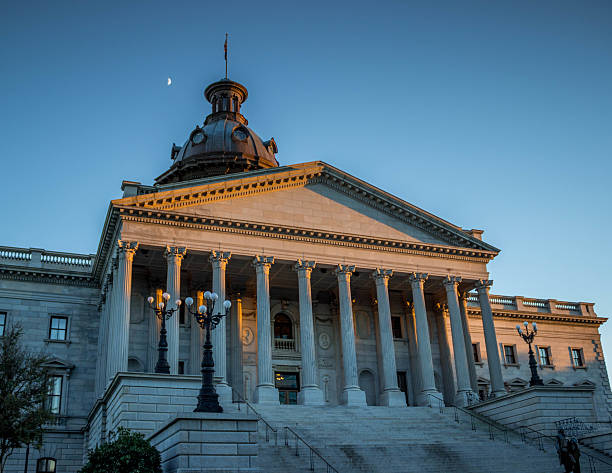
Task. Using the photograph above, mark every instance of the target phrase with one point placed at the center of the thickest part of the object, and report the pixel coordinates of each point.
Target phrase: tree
(23, 393)
(128, 453)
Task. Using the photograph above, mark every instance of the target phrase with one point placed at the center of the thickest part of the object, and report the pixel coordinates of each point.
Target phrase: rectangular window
(509, 355)
(58, 330)
(2, 323)
(54, 401)
(396, 326)
(476, 351)
(182, 314)
(545, 358)
(577, 357)
(181, 367)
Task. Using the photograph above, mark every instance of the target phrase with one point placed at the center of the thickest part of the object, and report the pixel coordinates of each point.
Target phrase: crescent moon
(169, 81)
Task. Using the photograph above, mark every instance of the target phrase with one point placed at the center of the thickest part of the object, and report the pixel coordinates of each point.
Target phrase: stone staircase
(381, 439)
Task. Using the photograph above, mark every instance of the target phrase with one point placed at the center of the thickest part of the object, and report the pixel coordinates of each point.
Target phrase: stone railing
(546, 306)
(286, 344)
(43, 259)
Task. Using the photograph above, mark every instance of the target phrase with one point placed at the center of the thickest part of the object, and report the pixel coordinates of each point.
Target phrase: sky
(491, 115)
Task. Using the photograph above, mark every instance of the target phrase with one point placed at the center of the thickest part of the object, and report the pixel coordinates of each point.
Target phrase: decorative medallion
(324, 340)
(247, 336)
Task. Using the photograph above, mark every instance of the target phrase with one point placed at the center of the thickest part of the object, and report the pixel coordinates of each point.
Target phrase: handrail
(312, 450)
(258, 415)
(521, 432)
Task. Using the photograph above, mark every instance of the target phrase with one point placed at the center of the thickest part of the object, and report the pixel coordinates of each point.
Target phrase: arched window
(45, 465)
(283, 328)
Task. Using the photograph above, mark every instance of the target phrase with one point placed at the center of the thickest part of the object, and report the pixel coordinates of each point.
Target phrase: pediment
(553, 382)
(58, 364)
(311, 197)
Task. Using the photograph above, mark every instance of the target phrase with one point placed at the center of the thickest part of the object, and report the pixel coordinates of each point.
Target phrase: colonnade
(115, 313)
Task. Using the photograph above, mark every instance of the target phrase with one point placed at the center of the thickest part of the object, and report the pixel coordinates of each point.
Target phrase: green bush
(128, 453)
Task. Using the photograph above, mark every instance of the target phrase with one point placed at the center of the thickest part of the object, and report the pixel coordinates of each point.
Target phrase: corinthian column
(469, 351)
(352, 395)
(219, 261)
(495, 372)
(310, 394)
(125, 251)
(265, 392)
(174, 256)
(196, 340)
(391, 395)
(428, 382)
(462, 372)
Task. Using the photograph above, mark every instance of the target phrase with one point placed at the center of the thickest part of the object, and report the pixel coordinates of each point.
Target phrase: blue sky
(492, 115)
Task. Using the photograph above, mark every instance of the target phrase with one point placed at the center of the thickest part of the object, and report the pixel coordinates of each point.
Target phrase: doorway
(288, 385)
(403, 385)
(367, 384)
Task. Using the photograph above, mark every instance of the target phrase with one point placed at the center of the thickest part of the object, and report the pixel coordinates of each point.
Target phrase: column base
(266, 394)
(311, 396)
(224, 391)
(430, 398)
(393, 398)
(465, 398)
(498, 393)
(354, 396)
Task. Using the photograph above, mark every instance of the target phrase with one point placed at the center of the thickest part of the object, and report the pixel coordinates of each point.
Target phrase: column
(100, 365)
(265, 392)
(391, 395)
(154, 329)
(495, 372)
(415, 369)
(428, 381)
(219, 261)
(110, 301)
(174, 257)
(464, 388)
(126, 251)
(352, 395)
(236, 332)
(196, 342)
(468, 341)
(310, 393)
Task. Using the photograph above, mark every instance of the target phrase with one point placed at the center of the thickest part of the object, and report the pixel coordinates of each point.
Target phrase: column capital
(417, 277)
(345, 269)
(451, 282)
(217, 256)
(484, 284)
(261, 261)
(304, 267)
(177, 252)
(463, 296)
(126, 248)
(380, 274)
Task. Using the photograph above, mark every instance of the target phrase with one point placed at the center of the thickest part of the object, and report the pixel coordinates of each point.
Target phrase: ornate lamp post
(208, 399)
(528, 336)
(163, 313)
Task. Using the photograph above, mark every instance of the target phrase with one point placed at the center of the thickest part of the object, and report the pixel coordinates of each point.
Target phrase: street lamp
(528, 336)
(208, 399)
(163, 313)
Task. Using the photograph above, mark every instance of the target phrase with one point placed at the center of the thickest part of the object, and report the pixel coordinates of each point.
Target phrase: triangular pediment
(310, 197)
(58, 364)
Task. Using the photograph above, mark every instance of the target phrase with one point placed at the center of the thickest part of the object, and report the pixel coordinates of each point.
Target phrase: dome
(224, 144)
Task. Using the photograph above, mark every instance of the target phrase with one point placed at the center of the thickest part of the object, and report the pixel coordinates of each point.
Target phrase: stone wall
(539, 407)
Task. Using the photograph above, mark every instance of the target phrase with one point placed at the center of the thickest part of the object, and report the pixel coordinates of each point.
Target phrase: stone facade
(341, 294)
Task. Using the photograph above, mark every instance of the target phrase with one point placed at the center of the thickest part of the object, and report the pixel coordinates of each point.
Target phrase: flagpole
(225, 48)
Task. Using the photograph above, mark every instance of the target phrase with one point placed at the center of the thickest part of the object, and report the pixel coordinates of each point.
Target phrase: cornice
(299, 176)
(309, 235)
(17, 274)
(513, 314)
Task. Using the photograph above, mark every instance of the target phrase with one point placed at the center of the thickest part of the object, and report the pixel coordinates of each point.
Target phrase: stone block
(220, 448)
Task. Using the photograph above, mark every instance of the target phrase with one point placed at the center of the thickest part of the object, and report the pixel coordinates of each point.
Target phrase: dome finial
(225, 49)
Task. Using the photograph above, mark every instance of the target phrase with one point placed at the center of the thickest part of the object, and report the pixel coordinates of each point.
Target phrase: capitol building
(359, 323)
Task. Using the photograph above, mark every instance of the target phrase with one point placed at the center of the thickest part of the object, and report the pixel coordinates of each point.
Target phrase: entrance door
(403, 385)
(288, 385)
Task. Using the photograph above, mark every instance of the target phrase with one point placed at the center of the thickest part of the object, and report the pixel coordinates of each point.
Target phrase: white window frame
(571, 353)
(548, 349)
(4, 325)
(515, 351)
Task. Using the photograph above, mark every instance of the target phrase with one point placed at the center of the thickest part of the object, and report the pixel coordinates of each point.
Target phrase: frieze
(541, 316)
(303, 234)
(48, 278)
